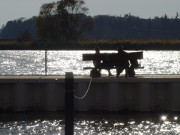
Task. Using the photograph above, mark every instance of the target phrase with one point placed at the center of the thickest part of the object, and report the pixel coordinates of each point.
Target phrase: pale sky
(13, 9)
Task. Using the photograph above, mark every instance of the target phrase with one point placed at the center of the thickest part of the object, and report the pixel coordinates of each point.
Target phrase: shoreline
(166, 44)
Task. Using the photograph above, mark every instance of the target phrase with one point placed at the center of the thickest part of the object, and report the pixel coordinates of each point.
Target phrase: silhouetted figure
(106, 63)
(98, 64)
(134, 63)
(121, 64)
(96, 72)
(130, 70)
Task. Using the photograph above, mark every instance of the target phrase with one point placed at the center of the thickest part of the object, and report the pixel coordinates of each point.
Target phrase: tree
(46, 22)
(63, 20)
(24, 37)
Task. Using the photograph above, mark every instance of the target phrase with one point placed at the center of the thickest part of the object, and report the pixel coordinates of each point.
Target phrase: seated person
(134, 63)
(121, 64)
(130, 70)
(98, 64)
(95, 72)
(107, 64)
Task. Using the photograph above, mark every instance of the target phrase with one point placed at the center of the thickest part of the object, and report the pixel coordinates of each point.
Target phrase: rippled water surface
(114, 124)
(59, 62)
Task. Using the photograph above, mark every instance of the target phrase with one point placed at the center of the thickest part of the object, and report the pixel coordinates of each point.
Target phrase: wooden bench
(113, 61)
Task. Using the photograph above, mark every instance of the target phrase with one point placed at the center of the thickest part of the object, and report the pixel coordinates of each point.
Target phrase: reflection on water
(33, 127)
(125, 124)
(59, 62)
(136, 125)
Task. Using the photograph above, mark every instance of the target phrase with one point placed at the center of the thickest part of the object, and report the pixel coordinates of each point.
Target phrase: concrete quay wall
(105, 94)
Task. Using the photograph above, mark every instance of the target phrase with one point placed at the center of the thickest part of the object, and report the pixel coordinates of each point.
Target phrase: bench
(113, 61)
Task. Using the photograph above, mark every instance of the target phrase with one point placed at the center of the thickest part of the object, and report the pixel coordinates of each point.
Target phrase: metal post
(69, 103)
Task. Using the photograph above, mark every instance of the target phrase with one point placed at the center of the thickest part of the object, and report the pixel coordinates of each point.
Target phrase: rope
(80, 98)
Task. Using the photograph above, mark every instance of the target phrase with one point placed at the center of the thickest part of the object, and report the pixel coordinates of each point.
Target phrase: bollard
(69, 103)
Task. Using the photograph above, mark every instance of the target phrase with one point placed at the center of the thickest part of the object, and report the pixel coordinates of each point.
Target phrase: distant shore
(166, 44)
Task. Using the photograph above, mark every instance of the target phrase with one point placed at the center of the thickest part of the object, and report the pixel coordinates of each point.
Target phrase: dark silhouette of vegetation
(105, 27)
(9, 44)
(13, 29)
(24, 37)
(131, 27)
(63, 20)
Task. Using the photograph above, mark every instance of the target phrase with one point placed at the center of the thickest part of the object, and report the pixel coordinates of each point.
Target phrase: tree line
(87, 27)
(16, 28)
(132, 27)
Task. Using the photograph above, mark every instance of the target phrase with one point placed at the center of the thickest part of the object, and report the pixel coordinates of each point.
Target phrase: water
(95, 124)
(59, 62)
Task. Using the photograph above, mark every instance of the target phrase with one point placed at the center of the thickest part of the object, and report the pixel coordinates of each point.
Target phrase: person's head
(120, 48)
(97, 49)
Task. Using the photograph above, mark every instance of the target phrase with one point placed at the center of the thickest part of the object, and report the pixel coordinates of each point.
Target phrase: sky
(14, 9)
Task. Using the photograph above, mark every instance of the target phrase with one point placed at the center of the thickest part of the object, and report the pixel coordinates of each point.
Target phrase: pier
(145, 93)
